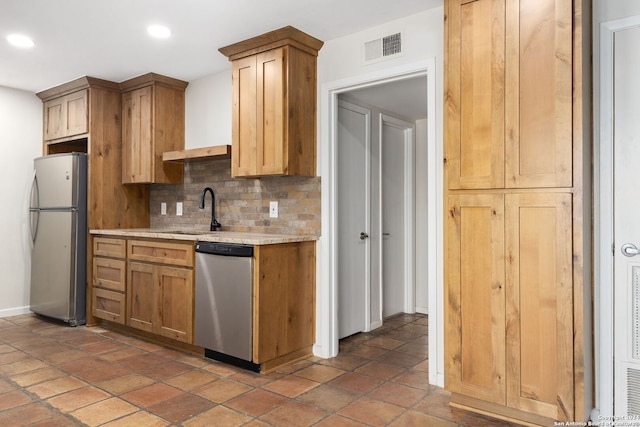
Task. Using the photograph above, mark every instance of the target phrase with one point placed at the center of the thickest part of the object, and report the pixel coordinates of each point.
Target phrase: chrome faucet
(214, 224)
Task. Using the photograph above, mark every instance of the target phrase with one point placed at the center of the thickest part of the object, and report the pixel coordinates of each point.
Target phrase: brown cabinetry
(160, 288)
(148, 284)
(284, 303)
(66, 116)
(509, 280)
(509, 73)
(514, 245)
(109, 279)
(152, 123)
(274, 104)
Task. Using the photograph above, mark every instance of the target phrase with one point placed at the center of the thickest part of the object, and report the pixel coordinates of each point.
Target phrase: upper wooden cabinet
(509, 94)
(152, 123)
(274, 104)
(66, 116)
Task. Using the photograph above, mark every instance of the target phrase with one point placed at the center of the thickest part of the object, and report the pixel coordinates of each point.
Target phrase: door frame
(409, 238)
(326, 314)
(603, 222)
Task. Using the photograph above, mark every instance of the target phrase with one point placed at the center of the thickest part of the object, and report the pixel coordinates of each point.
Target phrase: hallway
(53, 375)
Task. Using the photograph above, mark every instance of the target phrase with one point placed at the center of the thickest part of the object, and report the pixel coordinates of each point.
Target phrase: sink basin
(188, 232)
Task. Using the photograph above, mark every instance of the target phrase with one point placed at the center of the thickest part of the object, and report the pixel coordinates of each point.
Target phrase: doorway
(429, 182)
(376, 204)
(618, 230)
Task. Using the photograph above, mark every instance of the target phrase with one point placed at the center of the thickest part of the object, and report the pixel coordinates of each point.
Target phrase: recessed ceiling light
(159, 31)
(20, 40)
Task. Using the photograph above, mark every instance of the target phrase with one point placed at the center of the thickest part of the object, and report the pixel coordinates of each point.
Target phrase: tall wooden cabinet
(274, 104)
(90, 114)
(514, 244)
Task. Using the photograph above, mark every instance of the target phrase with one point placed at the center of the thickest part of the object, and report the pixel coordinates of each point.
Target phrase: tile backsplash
(241, 204)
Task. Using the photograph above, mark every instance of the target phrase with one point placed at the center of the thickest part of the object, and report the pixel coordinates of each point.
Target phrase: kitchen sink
(188, 232)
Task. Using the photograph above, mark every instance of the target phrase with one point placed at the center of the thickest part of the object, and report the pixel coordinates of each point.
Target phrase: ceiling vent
(386, 47)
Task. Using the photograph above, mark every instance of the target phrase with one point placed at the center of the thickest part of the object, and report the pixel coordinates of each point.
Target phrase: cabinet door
(137, 125)
(176, 303)
(53, 119)
(66, 116)
(539, 94)
(75, 105)
(142, 296)
(271, 115)
(475, 94)
(475, 295)
(539, 301)
(244, 120)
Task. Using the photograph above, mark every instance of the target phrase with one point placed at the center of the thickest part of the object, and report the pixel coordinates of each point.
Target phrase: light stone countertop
(205, 236)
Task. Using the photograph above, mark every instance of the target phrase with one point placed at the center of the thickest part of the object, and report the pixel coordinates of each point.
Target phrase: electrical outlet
(179, 208)
(163, 208)
(273, 209)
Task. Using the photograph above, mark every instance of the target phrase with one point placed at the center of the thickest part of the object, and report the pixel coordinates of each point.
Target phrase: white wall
(422, 274)
(340, 66)
(208, 111)
(603, 11)
(21, 136)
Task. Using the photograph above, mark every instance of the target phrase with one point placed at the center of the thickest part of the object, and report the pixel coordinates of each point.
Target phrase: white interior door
(353, 182)
(626, 131)
(396, 214)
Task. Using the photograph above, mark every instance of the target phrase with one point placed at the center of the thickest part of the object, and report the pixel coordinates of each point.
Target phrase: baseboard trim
(498, 411)
(16, 311)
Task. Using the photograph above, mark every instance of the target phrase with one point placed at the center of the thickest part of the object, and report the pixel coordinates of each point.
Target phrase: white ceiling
(406, 98)
(107, 38)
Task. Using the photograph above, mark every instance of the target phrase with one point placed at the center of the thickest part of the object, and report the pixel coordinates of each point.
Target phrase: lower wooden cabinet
(509, 316)
(145, 284)
(284, 303)
(160, 300)
(160, 288)
(109, 279)
(148, 285)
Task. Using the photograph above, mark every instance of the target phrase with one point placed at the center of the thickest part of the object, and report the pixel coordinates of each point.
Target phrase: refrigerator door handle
(34, 209)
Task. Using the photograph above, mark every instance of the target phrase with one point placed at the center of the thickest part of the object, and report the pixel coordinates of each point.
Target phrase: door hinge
(613, 249)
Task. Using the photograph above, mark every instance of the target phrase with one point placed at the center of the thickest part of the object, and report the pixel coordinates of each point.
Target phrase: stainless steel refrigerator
(59, 233)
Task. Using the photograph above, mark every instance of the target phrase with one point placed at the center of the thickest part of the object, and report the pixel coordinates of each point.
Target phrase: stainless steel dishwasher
(224, 302)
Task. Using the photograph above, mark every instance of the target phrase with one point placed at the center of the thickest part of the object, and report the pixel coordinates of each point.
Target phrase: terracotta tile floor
(54, 375)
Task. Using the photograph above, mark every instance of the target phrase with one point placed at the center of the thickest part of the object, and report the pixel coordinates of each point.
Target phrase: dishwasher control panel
(228, 249)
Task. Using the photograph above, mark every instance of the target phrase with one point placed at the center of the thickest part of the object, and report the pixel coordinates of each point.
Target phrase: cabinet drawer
(161, 252)
(109, 273)
(109, 305)
(104, 246)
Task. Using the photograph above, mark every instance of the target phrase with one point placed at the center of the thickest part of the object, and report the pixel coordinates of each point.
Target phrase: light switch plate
(179, 208)
(273, 209)
(163, 208)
